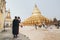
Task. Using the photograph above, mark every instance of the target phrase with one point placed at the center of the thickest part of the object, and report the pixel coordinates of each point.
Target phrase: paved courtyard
(30, 33)
(7, 35)
(41, 33)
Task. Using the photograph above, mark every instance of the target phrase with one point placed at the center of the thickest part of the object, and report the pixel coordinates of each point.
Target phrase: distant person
(39, 26)
(35, 26)
(44, 26)
(15, 27)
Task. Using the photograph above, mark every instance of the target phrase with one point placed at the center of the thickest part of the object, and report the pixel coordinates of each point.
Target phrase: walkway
(7, 35)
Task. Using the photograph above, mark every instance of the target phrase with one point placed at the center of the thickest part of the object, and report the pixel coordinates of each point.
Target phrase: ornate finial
(8, 14)
(8, 10)
(36, 11)
(35, 5)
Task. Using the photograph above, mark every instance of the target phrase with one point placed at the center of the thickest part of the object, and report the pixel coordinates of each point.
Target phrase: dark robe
(15, 27)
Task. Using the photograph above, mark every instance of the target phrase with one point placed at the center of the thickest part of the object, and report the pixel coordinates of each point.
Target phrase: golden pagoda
(8, 20)
(8, 15)
(35, 18)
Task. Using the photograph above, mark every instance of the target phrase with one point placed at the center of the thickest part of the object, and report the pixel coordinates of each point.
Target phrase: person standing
(15, 27)
(36, 26)
(19, 20)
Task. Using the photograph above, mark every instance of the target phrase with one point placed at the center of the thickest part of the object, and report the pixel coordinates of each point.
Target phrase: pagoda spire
(8, 15)
(35, 5)
(36, 11)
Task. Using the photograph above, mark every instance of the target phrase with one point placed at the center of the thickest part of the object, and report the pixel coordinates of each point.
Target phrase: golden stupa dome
(35, 18)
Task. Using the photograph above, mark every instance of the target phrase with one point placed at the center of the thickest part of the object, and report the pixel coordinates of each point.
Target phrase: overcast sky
(24, 8)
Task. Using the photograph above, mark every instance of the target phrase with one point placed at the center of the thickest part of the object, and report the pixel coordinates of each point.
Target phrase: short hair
(15, 16)
(18, 17)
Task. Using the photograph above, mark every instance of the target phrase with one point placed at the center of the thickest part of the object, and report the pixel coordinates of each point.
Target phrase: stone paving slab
(7, 35)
